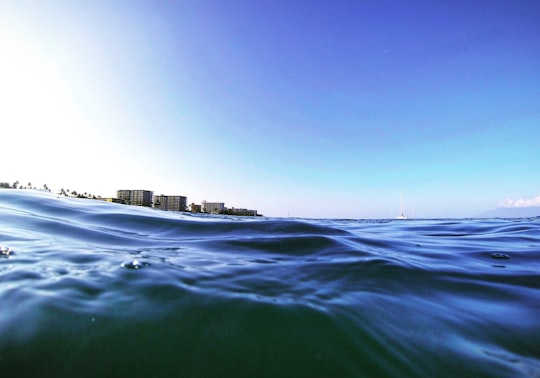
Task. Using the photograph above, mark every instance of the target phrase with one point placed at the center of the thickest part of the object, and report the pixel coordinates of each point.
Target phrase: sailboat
(401, 214)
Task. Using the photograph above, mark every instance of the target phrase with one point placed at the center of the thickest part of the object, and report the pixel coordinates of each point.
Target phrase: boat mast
(401, 215)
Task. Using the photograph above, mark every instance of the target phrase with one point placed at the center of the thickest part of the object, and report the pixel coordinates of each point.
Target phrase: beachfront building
(170, 203)
(212, 207)
(244, 212)
(195, 208)
(136, 197)
(123, 195)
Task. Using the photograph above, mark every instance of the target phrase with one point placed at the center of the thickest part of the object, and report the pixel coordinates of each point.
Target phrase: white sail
(401, 214)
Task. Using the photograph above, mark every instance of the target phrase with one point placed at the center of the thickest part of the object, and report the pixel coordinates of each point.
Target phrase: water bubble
(5, 251)
(135, 264)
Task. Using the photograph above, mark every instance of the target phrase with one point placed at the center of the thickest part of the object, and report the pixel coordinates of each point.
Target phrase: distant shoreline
(74, 194)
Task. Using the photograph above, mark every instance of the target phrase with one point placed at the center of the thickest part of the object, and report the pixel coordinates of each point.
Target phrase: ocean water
(92, 289)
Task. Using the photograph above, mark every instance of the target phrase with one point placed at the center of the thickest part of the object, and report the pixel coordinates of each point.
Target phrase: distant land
(512, 212)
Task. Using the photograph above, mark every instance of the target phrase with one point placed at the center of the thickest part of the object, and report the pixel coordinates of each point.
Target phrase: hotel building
(136, 197)
(212, 207)
(170, 203)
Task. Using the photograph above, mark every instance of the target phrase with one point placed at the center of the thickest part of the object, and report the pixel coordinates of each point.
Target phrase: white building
(212, 207)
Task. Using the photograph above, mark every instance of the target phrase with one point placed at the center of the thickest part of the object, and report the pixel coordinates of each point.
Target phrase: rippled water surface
(89, 288)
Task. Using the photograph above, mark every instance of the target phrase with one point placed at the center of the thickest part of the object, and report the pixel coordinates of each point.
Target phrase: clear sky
(302, 108)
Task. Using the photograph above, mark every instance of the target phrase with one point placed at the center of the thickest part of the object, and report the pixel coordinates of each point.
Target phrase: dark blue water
(92, 289)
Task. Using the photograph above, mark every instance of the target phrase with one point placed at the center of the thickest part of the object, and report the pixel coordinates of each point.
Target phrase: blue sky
(301, 108)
